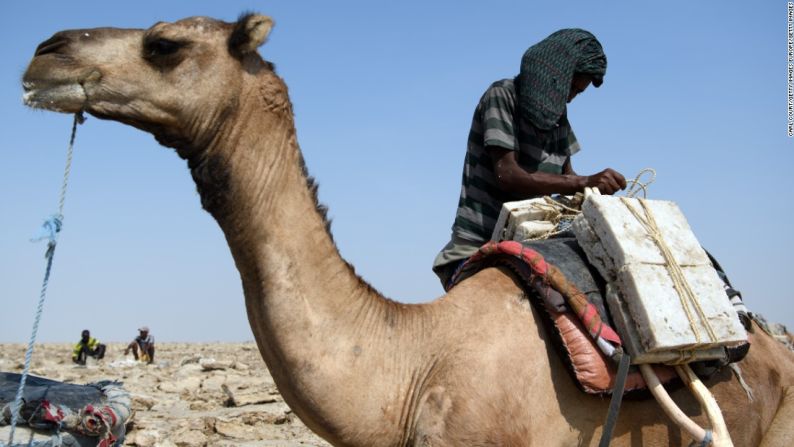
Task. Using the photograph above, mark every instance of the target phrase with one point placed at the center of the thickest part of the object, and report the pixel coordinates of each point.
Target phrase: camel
(472, 368)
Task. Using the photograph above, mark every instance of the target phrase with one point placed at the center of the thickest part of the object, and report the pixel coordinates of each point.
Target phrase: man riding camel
(520, 143)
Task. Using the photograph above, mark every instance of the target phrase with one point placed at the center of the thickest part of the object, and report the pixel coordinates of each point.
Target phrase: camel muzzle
(53, 80)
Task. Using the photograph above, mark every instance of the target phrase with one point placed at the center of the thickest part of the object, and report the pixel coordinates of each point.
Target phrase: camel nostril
(51, 45)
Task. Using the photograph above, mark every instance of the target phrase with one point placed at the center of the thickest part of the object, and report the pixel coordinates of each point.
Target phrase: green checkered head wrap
(547, 70)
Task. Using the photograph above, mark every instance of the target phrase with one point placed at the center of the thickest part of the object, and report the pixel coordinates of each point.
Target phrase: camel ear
(249, 33)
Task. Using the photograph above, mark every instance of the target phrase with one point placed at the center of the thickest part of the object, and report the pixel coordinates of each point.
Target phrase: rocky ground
(193, 395)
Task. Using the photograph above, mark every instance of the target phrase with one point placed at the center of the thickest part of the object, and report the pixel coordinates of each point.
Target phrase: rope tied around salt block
(680, 283)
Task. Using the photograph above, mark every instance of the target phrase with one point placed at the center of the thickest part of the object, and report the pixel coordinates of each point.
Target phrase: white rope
(636, 185)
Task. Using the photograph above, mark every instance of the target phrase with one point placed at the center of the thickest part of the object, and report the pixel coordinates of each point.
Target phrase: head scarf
(547, 70)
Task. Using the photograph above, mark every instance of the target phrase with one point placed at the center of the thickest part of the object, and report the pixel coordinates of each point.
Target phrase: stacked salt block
(645, 305)
(513, 214)
(532, 229)
(525, 220)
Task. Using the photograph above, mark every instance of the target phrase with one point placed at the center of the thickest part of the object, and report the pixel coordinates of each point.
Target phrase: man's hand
(512, 178)
(607, 181)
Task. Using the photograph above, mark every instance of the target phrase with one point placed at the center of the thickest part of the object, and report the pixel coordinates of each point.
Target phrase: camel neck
(307, 308)
(252, 179)
(303, 300)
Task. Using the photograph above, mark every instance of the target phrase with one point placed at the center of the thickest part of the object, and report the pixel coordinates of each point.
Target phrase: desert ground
(193, 395)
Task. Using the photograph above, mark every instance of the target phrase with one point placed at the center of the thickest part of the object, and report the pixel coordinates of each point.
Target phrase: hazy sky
(383, 94)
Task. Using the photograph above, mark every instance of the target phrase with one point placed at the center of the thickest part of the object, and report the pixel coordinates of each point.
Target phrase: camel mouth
(51, 82)
(68, 97)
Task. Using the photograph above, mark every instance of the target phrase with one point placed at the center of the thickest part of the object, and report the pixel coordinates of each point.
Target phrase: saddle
(569, 293)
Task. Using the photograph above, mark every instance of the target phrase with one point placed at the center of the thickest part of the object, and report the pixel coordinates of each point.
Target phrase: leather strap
(617, 398)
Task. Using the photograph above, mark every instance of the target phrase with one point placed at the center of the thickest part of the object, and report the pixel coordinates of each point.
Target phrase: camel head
(175, 80)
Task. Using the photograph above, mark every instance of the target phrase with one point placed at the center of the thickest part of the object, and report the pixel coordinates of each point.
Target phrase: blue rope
(49, 231)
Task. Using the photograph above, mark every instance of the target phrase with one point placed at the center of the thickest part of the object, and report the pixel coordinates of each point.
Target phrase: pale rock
(188, 370)
(200, 405)
(269, 415)
(173, 406)
(143, 438)
(189, 384)
(239, 398)
(213, 382)
(232, 429)
(212, 364)
(189, 360)
(189, 424)
(142, 402)
(189, 438)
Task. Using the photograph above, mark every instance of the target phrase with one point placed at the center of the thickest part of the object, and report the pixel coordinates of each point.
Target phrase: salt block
(625, 326)
(627, 241)
(532, 229)
(658, 312)
(619, 246)
(513, 214)
(592, 247)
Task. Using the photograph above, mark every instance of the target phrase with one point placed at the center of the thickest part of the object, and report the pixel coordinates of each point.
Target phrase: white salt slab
(592, 247)
(513, 214)
(626, 240)
(625, 326)
(626, 256)
(532, 229)
(655, 307)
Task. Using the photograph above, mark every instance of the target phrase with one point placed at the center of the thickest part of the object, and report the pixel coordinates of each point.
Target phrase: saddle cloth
(547, 268)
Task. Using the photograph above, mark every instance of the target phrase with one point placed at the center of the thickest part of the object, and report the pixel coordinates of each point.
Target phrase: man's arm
(567, 168)
(513, 178)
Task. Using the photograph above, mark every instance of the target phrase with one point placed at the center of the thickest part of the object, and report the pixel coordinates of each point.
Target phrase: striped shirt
(493, 125)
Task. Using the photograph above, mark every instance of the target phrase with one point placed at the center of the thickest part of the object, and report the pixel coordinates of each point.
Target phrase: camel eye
(162, 47)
